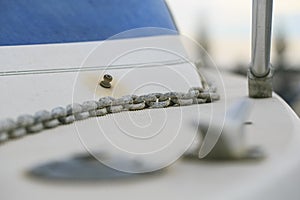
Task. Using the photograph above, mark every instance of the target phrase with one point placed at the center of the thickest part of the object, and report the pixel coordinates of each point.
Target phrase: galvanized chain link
(41, 120)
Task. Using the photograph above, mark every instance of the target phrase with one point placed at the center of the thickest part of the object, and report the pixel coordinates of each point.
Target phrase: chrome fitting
(260, 73)
(260, 87)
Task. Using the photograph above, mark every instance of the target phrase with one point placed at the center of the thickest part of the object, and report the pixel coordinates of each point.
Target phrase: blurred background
(223, 28)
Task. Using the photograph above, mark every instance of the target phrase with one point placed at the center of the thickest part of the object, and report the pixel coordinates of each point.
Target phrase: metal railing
(260, 73)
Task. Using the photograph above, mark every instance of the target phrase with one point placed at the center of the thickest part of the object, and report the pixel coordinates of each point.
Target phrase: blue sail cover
(25, 22)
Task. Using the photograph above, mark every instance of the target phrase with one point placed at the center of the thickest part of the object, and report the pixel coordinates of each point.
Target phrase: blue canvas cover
(25, 22)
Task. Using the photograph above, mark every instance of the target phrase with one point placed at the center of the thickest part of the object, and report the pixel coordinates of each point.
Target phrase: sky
(229, 25)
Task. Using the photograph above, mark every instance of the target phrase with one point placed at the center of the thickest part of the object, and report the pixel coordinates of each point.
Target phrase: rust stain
(91, 81)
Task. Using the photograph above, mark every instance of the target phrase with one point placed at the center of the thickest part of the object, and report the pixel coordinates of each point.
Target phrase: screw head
(106, 81)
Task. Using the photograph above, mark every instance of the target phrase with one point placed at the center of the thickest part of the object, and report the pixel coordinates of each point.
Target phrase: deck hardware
(260, 73)
(106, 81)
(231, 144)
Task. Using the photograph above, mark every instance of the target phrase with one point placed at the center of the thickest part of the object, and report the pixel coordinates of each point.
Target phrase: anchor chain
(41, 120)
